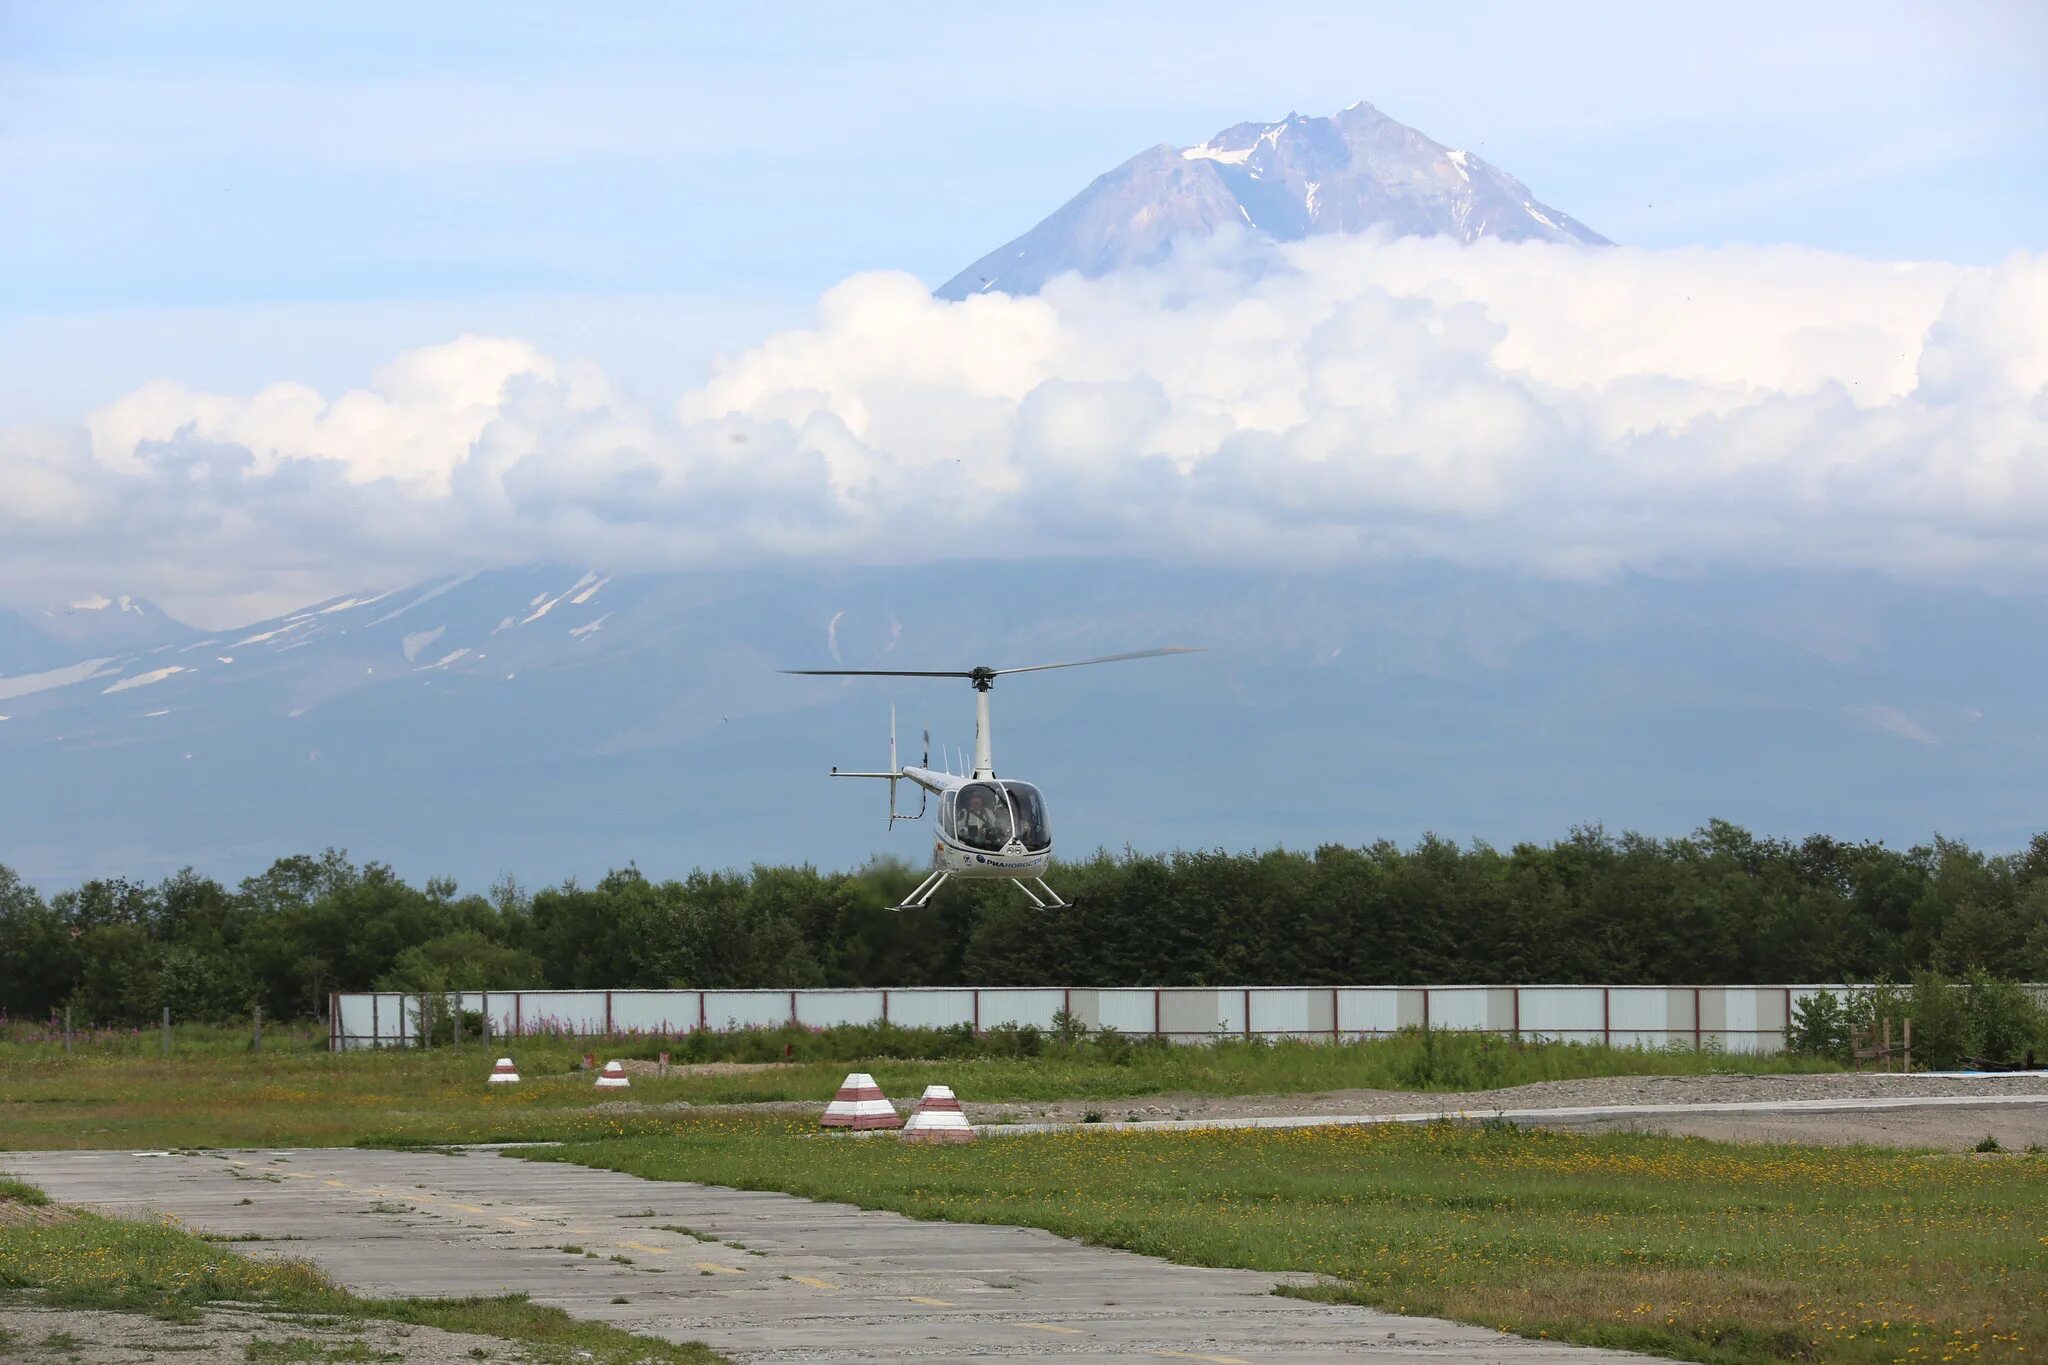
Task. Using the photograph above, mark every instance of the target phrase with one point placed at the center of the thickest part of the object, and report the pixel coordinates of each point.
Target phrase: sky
(357, 292)
(218, 193)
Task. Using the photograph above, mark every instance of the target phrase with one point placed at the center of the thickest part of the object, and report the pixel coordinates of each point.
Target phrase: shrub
(1820, 1027)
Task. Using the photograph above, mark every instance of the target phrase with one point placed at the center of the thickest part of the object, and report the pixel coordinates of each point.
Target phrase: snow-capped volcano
(1350, 172)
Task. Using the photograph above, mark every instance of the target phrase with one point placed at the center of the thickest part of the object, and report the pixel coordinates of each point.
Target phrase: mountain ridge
(1353, 171)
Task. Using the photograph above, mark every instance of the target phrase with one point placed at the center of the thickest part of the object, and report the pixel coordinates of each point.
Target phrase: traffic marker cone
(613, 1077)
(504, 1073)
(859, 1104)
(938, 1118)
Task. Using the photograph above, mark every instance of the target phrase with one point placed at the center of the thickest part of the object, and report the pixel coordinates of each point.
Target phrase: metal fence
(1725, 1018)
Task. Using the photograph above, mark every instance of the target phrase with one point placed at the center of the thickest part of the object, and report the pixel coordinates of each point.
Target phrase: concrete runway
(760, 1277)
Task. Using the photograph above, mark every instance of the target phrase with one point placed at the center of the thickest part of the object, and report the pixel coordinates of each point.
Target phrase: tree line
(1719, 906)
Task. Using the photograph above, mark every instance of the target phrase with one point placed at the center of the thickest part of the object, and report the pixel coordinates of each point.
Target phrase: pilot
(980, 824)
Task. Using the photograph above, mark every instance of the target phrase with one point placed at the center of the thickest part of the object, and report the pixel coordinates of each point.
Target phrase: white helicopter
(988, 827)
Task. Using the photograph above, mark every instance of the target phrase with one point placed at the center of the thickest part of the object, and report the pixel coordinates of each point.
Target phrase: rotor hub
(983, 678)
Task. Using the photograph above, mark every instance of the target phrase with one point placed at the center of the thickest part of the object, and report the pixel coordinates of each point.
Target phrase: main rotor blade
(1105, 659)
(872, 673)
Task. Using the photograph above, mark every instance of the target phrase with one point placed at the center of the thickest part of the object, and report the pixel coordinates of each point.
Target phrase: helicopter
(987, 827)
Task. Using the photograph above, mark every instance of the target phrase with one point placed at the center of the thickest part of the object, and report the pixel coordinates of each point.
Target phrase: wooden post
(67, 1030)
(167, 1031)
(487, 1021)
(1887, 1043)
(1909, 1044)
(1606, 1019)
(1696, 1019)
(256, 1038)
(426, 1023)
(1247, 1012)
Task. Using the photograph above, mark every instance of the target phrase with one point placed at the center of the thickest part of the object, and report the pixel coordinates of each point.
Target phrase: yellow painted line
(515, 1222)
(717, 1269)
(339, 1185)
(813, 1281)
(1050, 1327)
(934, 1303)
(295, 1175)
(1215, 1360)
(644, 1246)
(466, 1208)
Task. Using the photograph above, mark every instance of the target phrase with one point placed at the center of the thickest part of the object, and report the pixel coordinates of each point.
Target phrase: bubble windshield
(981, 817)
(1028, 810)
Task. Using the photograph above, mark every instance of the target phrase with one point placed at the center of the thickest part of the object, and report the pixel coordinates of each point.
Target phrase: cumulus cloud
(1567, 411)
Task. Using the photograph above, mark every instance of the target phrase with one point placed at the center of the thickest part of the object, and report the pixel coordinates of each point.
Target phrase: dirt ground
(230, 1336)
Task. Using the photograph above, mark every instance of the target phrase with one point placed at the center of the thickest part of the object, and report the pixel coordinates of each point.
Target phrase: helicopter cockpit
(991, 815)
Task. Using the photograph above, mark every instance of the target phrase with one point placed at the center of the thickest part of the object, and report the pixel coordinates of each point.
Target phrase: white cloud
(1563, 410)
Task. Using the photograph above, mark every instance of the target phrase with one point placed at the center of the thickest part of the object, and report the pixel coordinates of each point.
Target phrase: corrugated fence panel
(1646, 1016)
(924, 1008)
(661, 1012)
(574, 1012)
(1125, 1009)
(1369, 1009)
(1034, 1006)
(1459, 1007)
(1731, 1018)
(823, 1009)
(1280, 1011)
(745, 1009)
(1568, 1014)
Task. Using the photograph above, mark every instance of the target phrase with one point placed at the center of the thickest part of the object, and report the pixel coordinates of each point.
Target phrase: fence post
(1909, 1043)
(976, 1026)
(792, 1009)
(376, 1028)
(256, 1039)
(1887, 1044)
(167, 1031)
(1606, 1019)
(700, 1011)
(1696, 1019)
(518, 1016)
(487, 1021)
(610, 1031)
(334, 1021)
(1247, 1012)
(1157, 1017)
(67, 1030)
(1515, 1000)
(426, 1024)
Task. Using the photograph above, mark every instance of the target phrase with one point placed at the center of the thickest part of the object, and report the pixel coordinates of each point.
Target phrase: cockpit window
(1029, 809)
(981, 817)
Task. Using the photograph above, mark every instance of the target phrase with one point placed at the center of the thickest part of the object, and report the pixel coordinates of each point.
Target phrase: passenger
(981, 825)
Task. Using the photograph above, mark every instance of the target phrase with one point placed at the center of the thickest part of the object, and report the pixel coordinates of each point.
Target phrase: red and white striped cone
(938, 1118)
(860, 1104)
(613, 1077)
(504, 1073)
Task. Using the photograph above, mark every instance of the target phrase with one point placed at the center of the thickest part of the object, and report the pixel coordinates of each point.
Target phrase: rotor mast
(984, 757)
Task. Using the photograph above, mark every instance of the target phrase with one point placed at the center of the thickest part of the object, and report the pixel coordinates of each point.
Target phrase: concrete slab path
(761, 1277)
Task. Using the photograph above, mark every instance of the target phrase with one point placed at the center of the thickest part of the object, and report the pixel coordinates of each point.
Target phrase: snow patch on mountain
(419, 640)
(155, 675)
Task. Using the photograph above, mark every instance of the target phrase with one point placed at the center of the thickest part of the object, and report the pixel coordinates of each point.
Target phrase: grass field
(83, 1261)
(1696, 1250)
(213, 1092)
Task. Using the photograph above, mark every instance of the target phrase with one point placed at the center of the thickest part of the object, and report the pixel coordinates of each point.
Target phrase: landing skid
(1050, 900)
(1044, 898)
(925, 890)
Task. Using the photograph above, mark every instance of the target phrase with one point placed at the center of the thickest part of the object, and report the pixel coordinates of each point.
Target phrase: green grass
(225, 1098)
(1691, 1249)
(92, 1263)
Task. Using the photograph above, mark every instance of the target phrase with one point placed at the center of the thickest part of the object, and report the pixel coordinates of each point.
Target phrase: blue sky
(224, 194)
